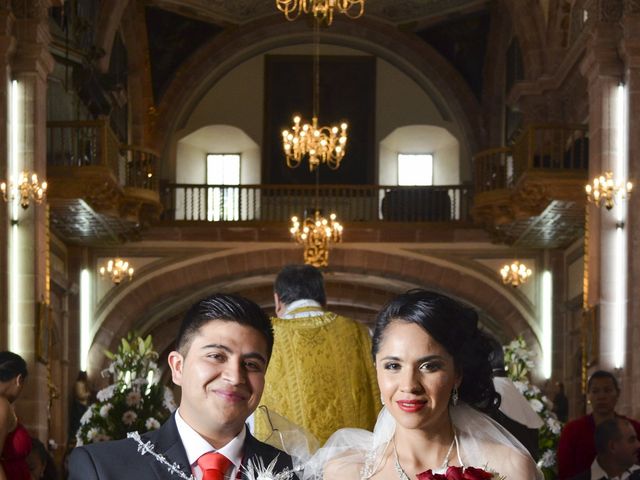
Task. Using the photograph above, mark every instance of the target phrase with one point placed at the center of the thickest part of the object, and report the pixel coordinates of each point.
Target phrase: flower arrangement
(134, 401)
(518, 361)
(460, 473)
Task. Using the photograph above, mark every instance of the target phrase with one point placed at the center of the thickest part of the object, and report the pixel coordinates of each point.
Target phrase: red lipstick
(411, 406)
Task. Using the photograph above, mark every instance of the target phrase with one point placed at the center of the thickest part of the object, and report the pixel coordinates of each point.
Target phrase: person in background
(41, 465)
(79, 403)
(317, 354)
(561, 403)
(577, 448)
(617, 445)
(15, 442)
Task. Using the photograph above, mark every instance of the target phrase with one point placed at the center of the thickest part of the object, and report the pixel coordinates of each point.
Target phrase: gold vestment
(321, 375)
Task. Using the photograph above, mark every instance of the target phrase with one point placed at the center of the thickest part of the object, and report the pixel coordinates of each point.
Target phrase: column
(7, 46)
(631, 56)
(603, 69)
(28, 241)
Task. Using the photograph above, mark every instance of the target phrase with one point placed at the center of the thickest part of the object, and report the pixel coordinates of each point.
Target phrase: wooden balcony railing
(494, 169)
(352, 203)
(92, 143)
(82, 143)
(552, 147)
(141, 167)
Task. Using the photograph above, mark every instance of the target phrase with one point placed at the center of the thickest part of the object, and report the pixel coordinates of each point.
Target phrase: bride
(434, 376)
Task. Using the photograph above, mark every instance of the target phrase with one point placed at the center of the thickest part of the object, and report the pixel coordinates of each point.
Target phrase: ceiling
(397, 12)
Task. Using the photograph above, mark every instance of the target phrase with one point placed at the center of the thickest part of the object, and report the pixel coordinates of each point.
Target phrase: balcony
(99, 190)
(532, 194)
(352, 203)
(370, 213)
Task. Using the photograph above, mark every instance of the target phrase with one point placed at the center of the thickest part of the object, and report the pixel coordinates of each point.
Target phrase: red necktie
(213, 466)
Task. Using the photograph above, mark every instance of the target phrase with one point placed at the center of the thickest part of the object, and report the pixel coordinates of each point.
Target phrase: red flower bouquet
(459, 473)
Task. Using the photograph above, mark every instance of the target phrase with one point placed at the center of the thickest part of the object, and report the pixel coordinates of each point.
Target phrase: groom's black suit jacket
(120, 460)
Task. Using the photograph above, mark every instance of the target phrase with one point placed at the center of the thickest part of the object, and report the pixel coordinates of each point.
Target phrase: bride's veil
(483, 443)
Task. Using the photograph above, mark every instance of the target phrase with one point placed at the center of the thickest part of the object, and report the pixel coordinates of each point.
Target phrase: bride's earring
(382, 400)
(454, 396)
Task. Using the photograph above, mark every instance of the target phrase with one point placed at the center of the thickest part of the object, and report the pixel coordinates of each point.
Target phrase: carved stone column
(631, 55)
(603, 69)
(30, 67)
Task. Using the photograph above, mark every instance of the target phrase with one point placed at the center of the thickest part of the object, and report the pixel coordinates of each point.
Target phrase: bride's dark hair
(455, 327)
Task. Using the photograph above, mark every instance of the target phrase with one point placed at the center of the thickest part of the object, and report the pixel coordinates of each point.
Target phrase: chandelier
(604, 190)
(321, 144)
(322, 10)
(515, 274)
(315, 233)
(117, 269)
(27, 188)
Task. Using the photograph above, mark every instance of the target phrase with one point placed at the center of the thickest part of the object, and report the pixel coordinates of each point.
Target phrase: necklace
(445, 463)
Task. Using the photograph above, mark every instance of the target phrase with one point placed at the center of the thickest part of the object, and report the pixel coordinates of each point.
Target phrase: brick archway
(359, 282)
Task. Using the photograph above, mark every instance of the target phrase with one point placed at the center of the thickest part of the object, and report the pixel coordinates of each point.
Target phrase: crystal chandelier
(604, 190)
(321, 144)
(117, 269)
(515, 274)
(27, 188)
(315, 234)
(322, 10)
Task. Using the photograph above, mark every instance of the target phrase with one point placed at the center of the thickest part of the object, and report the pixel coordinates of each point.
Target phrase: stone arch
(360, 280)
(412, 56)
(529, 27)
(109, 20)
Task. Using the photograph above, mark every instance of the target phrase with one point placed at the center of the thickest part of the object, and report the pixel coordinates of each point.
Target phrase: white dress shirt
(196, 446)
(598, 473)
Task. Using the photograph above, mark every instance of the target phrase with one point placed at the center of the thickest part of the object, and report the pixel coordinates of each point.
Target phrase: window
(415, 169)
(223, 202)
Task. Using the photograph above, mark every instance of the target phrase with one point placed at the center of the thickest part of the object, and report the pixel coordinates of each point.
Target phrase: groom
(222, 351)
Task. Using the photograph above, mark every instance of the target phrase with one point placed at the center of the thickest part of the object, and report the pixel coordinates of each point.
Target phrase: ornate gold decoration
(322, 144)
(322, 10)
(27, 188)
(332, 353)
(117, 269)
(515, 274)
(315, 234)
(604, 190)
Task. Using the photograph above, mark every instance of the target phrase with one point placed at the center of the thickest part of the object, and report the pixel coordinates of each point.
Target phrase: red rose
(471, 473)
(455, 473)
(429, 475)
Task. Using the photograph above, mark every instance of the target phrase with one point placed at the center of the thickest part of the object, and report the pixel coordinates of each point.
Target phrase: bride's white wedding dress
(354, 454)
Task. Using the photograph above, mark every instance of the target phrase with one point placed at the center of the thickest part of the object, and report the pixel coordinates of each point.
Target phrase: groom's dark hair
(225, 307)
(300, 282)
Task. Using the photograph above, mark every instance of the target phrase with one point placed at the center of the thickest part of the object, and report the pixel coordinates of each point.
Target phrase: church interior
(473, 127)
